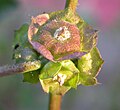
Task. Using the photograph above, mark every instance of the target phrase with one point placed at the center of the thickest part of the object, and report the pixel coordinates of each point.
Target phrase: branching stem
(19, 68)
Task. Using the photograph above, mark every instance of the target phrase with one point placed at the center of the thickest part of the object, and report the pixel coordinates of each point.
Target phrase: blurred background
(104, 15)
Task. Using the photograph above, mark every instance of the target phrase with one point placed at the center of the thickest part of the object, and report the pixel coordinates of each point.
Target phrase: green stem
(71, 4)
(55, 102)
(19, 68)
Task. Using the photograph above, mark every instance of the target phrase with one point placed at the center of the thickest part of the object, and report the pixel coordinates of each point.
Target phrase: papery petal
(57, 48)
(42, 50)
(40, 20)
(72, 56)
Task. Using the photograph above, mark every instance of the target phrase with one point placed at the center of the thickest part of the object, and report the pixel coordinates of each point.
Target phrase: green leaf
(20, 37)
(50, 70)
(90, 81)
(69, 65)
(31, 77)
(24, 54)
(89, 66)
(23, 51)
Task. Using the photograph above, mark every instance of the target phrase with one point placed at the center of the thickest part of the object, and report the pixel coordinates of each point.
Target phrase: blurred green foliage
(4, 4)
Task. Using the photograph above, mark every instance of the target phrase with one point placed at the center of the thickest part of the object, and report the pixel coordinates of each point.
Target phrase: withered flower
(55, 39)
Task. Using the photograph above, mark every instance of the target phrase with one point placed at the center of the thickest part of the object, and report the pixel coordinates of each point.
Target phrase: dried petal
(61, 38)
(40, 19)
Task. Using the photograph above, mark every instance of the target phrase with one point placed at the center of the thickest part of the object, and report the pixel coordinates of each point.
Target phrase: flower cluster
(66, 46)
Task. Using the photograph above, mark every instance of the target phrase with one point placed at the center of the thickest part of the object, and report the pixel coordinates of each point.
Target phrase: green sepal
(52, 82)
(31, 77)
(89, 66)
(69, 65)
(50, 86)
(73, 81)
(88, 37)
(90, 81)
(66, 15)
(53, 85)
(50, 70)
(66, 72)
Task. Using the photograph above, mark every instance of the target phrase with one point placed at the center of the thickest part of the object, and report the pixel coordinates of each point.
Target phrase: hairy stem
(55, 102)
(71, 4)
(19, 68)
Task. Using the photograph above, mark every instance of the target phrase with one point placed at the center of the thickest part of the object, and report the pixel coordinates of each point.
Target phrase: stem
(55, 102)
(19, 68)
(71, 4)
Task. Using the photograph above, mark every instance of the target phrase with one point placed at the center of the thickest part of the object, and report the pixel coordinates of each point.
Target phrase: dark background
(103, 15)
